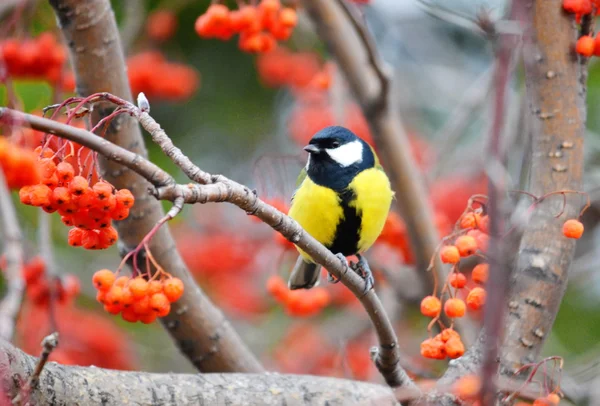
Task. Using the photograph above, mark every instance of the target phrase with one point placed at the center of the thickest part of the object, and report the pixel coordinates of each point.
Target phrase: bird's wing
(299, 181)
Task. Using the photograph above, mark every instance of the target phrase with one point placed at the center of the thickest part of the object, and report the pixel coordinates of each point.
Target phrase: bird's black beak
(312, 149)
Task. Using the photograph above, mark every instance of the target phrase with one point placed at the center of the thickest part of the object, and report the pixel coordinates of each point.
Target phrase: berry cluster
(586, 44)
(151, 73)
(90, 209)
(39, 58)
(39, 287)
(298, 70)
(259, 27)
(161, 25)
(19, 165)
(136, 298)
(299, 303)
(445, 344)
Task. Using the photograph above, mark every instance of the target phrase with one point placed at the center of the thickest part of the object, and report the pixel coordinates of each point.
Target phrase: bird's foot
(364, 271)
(344, 261)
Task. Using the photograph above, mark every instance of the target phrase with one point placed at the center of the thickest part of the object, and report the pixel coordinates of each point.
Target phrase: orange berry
(480, 273)
(129, 315)
(270, 6)
(112, 308)
(573, 229)
(553, 398)
(541, 402)
(142, 306)
(103, 279)
(122, 281)
(154, 286)
(470, 220)
(288, 17)
(173, 289)
(40, 195)
(277, 288)
(449, 254)
(90, 240)
(47, 167)
(484, 224)
(102, 190)
(125, 198)
(25, 194)
(457, 280)
(61, 196)
(108, 236)
(161, 25)
(114, 296)
(467, 387)
(78, 185)
(101, 296)
(218, 13)
(127, 297)
(65, 172)
(585, 46)
(432, 348)
(466, 245)
(476, 298)
(160, 304)
(577, 6)
(431, 306)
(448, 334)
(148, 318)
(138, 287)
(454, 348)
(455, 307)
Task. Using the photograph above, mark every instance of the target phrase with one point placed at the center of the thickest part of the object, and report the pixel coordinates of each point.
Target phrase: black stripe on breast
(347, 233)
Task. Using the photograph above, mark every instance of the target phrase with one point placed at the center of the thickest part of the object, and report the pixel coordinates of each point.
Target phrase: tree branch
(13, 250)
(222, 189)
(352, 46)
(91, 385)
(198, 327)
(556, 90)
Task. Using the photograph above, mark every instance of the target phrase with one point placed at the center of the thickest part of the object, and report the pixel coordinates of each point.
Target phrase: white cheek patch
(347, 154)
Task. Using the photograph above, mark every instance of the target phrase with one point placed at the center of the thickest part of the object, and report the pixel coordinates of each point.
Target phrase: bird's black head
(336, 156)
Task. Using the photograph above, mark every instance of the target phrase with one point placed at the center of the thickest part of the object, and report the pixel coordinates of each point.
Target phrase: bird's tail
(305, 275)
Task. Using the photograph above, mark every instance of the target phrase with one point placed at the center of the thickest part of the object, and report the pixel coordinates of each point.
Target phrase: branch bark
(218, 188)
(61, 385)
(198, 327)
(352, 46)
(556, 90)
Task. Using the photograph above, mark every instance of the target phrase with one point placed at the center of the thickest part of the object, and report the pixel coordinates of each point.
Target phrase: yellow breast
(373, 200)
(317, 210)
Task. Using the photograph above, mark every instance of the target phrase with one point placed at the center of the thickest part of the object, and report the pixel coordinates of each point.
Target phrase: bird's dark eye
(335, 144)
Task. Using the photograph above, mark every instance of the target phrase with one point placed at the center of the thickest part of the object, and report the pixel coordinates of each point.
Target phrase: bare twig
(13, 249)
(352, 45)
(199, 328)
(222, 189)
(49, 343)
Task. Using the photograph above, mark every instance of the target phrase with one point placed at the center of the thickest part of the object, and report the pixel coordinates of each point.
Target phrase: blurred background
(247, 116)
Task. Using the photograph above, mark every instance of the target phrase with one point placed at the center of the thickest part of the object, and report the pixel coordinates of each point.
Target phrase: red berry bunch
(39, 58)
(39, 287)
(137, 299)
(586, 45)
(300, 303)
(90, 209)
(151, 73)
(259, 27)
(297, 70)
(445, 344)
(20, 165)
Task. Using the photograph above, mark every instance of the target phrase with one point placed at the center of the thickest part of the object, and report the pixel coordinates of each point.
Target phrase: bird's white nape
(347, 154)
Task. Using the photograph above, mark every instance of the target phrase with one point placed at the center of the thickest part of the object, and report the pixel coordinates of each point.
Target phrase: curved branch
(222, 189)
(352, 46)
(61, 385)
(197, 326)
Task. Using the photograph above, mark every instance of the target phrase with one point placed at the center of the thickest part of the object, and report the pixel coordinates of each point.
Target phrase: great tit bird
(342, 199)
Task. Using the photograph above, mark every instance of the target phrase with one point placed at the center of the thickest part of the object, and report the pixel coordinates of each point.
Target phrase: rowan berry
(161, 25)
(288, 17)
(40, 195)
(108, 236)
(585, 46)
(102, 190)
(449, 254)
(470, 220)
(457, 280)
(112, 308)
(159, 302)
(65, 172)
(78, 185)
(277, 288)
(480, 273)
(455, 307)
(122, 281)
(454, 348)
(130, 315)
(431, 306)
(101, 296)
(433, 348)
(553, 398)
(126, 297)
(154, 287)
(573, 229)
(448, 334)
(484, 224)
(578, 6)
(476, 298)
(61, 196)
(75, 238)
(466, 245)
(467, 387)
(114, 296)
(125, 198)
(141, 306)
(103, 279)
(47, 167)
(138, 287)
(173, 289)
(90, 239)
(148, 318)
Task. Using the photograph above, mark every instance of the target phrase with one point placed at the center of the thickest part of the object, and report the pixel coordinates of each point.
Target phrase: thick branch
(352, 46)
(222, 189)
(556, 91)
(61, 385)
(198, 327)
(13, 250)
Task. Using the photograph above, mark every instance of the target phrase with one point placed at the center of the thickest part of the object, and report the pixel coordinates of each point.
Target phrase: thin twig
(222, 189)
(49, 343)
(13, 249)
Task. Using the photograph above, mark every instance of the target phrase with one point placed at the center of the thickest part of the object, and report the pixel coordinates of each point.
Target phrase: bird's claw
(362, 268)
(344, 261)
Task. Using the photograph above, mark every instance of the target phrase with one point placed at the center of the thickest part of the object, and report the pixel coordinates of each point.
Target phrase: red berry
(103, 279)
(173, 289)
